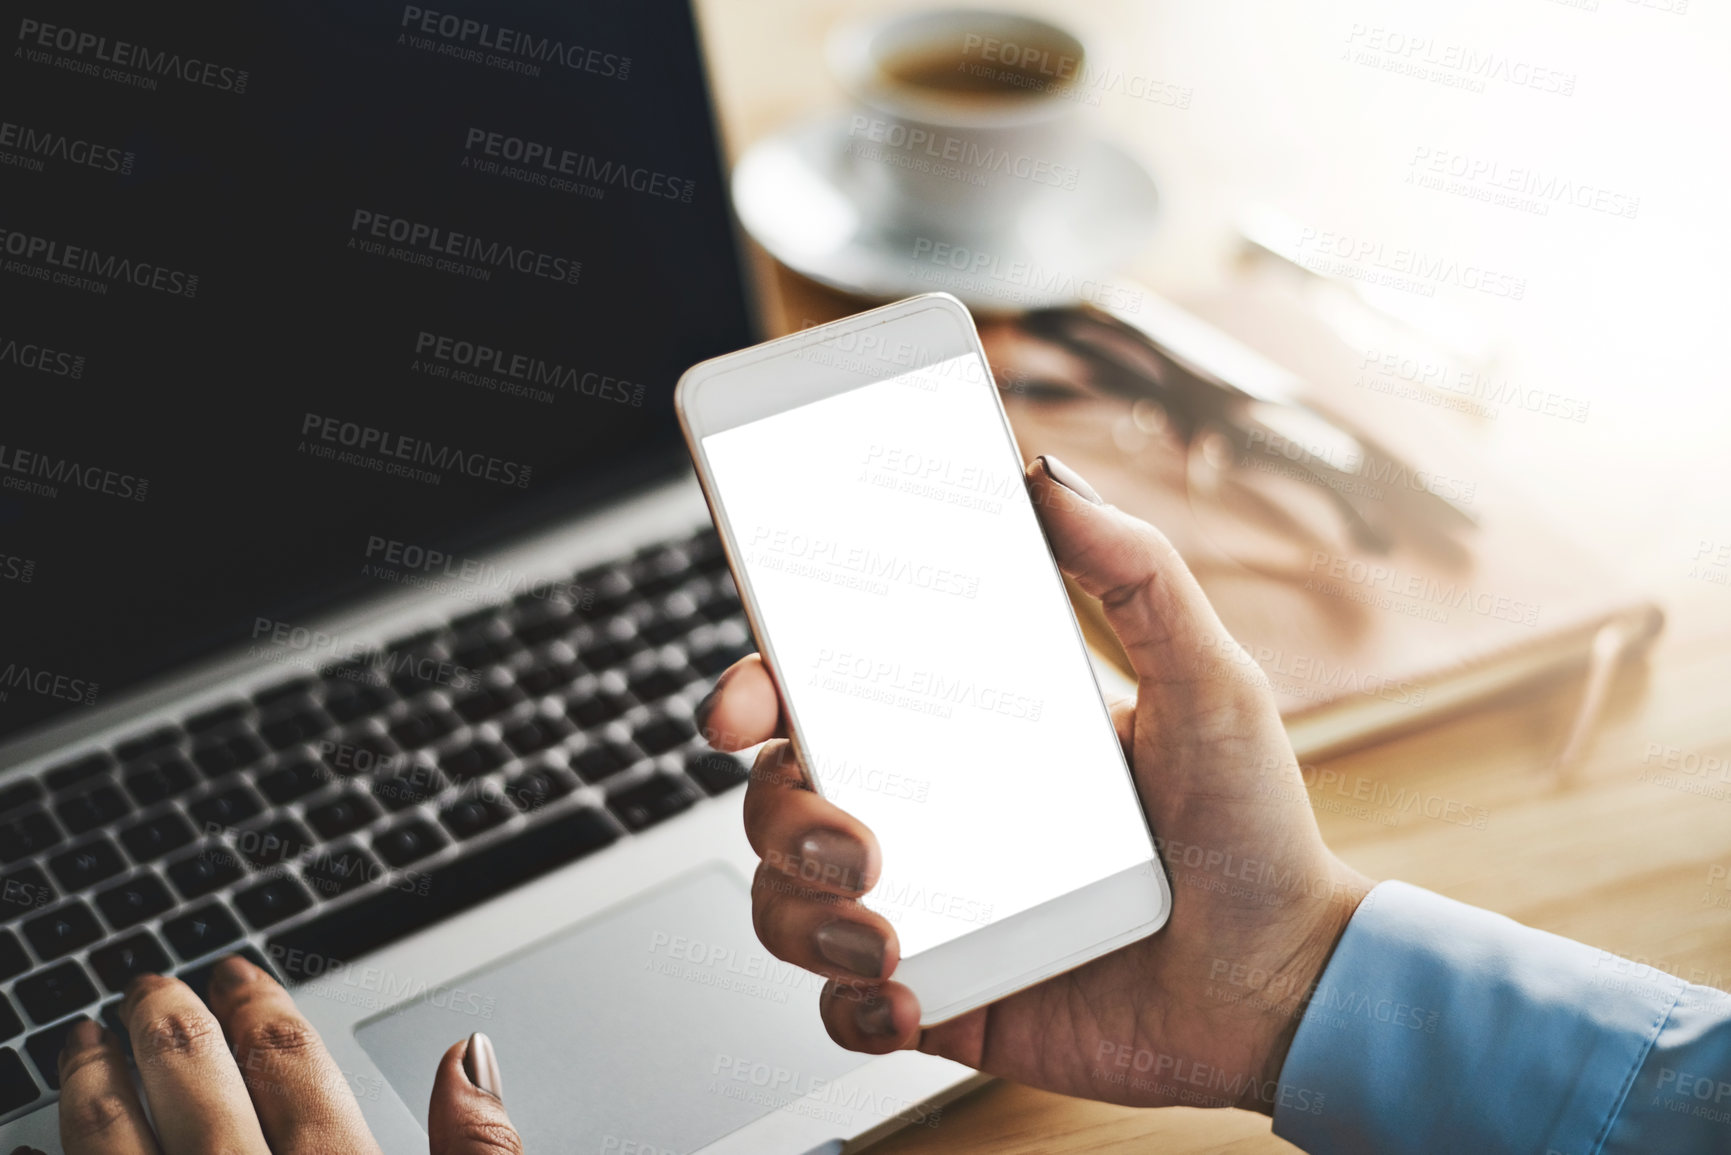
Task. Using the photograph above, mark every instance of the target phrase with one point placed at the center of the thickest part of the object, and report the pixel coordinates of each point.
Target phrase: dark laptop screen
(297, 296)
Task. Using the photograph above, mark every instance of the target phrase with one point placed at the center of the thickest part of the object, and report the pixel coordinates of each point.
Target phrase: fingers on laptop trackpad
(645, 1023)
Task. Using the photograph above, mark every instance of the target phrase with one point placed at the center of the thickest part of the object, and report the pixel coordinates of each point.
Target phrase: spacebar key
(339, 936)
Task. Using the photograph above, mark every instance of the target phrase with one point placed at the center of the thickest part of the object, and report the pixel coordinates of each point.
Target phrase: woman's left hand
(248, 1075)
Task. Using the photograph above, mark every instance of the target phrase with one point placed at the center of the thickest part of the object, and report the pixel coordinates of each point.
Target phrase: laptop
(355, 592)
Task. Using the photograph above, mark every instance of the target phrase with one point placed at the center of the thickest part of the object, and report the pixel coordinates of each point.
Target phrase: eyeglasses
(1269, 478)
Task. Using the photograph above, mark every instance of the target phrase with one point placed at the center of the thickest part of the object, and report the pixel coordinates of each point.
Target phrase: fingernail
(135, 991)
(831, 858)
(230, 973)
(874, 1018)
(481, 1064)
(852, 946)
(1068, 478)
(84, 1033)
(700, 712)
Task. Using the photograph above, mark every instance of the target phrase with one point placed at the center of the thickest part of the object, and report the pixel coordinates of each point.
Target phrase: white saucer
(796, 195)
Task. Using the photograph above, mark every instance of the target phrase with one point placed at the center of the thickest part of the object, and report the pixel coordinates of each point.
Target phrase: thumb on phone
(1162, 618)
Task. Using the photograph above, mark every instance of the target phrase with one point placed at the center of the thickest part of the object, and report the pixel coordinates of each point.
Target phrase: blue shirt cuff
(1440, 1026)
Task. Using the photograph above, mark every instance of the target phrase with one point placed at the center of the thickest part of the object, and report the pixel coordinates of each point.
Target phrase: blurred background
(1345, 134)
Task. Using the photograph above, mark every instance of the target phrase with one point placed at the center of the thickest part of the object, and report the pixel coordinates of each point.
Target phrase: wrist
(1309, 957)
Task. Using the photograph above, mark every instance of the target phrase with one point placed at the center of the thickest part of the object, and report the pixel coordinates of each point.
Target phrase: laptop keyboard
(341, 809)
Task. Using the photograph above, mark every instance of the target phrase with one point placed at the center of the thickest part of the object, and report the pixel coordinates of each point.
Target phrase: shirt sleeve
(1438, 1026)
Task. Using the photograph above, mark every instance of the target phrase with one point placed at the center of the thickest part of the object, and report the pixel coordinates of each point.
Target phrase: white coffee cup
(961, 116)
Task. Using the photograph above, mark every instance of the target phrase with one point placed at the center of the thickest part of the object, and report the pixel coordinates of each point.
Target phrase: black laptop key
(704, 550)
(226, 808)
(299, 777)
(651, 801)
(718, 607)
(553, 668)
(13, 960)
(716, 772)
(154, 837)
(153, 780)
(538, 732)
(424, 726)
(27, 834)
(198, 977)
(134, 900)
(10, 1022)
(342, 814)
(414, 669)
(491, 700)
(295, 689)
(198, 932)
(125, 959)
(347, 700)
(410, 786)
(660, 569)
(283, 839)
(114, 1018)
(544, 625)
(90, 808)
(607, 589)
(44, 1048)
(409, 841)
(218, 717)
(62, 930)
(662, 734)
(71, 773)
(49, 994)
(384, 916)
(537, 786)
(486, 651)
(475, 759)
(360, 751)
(206, 869)
(338, 870)
(271, 901)
(20, 793)
(659, 682)
(295, 725)
(598, 708)
(16, 1086)
(711, 662)
(601, 760)
(159, 739)
(226, 752)
(605, 653)
(86, 864)
(24, 891)
(468, 817)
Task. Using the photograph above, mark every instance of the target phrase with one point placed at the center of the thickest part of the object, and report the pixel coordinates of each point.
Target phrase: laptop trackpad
(661, 1022)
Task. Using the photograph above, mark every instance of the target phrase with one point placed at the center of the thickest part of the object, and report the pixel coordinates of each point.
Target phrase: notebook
(1357, 643)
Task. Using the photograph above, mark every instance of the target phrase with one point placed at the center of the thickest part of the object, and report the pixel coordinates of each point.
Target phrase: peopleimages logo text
(32, 355)
(65, 471)
(526, 46)
(368, 439)
(555, 160)
(465, 246)
(483, 358)
(139, 57)
(102, 266)
(46, 144)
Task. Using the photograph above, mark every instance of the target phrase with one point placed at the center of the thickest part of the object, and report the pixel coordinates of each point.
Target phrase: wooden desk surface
(1633, 855)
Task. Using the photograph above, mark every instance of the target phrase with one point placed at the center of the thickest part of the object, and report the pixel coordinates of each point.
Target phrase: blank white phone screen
(927, 649)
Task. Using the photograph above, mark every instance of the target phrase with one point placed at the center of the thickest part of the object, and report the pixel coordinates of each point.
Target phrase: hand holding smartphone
(870, 497)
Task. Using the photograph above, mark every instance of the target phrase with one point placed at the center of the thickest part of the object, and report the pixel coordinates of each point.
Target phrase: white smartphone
(870, 498)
